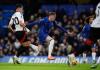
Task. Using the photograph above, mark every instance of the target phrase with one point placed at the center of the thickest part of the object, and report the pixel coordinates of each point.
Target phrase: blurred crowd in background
(64, 43)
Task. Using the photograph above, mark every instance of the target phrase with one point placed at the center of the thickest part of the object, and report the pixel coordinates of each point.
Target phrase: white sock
(93, 55)
(84, 56)
(98, 61)
(71, 57)
(35, 48)
(50, 48)
(15, 56)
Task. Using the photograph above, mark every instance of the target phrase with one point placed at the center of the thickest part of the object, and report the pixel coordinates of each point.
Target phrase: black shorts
(94, 34)
(21, 36)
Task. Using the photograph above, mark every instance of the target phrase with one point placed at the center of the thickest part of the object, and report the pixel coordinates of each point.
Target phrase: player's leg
(96, 64)
(84, 57)
(95, 36)
(20, 50)
(23, 48)
(71, 56)
(84, 50)
(50, 47)
(35, 48)
(20, 35)
(98, 60)
(94, 53)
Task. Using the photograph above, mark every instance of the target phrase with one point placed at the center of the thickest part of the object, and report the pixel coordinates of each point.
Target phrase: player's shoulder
(42, 19)
(86, 25)
(46, 19)
(98, 5)
(17, 13)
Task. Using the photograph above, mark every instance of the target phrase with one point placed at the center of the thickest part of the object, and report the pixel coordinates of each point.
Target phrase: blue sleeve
(61, 28)
(31, 24)
(83, 30)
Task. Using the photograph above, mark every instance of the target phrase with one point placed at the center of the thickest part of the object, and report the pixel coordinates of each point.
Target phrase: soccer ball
(74, 62)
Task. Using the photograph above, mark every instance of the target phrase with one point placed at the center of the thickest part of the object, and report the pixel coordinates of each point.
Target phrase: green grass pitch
(7, 66)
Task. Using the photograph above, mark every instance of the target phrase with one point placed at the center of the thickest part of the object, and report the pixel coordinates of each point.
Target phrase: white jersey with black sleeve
(15, 19)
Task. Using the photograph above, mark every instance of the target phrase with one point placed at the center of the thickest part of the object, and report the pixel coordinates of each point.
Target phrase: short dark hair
(51, 13)
(19, 6)
(88, 18)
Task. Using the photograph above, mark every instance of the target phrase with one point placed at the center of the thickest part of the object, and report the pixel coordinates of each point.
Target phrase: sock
(20, 51)
(35, 48)
(93, 55)
(84, 56)
(50, 48)
(71, 58)
(72, 55)
(98, 61)
(15, 56)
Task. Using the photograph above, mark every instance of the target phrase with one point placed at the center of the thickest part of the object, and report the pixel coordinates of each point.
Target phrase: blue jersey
(44, 28)
(85, 33)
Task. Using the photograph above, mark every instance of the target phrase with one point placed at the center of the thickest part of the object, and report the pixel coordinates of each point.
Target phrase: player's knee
(93, 49)
(27, 43)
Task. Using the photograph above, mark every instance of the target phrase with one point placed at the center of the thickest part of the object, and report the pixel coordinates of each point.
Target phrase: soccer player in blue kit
(84, 36)
(94, 35)
(45, 25)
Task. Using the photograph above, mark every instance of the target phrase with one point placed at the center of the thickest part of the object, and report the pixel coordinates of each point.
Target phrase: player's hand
(70, 33)
(26, 22)
(23, 24)
(13, 31)
(26, 29)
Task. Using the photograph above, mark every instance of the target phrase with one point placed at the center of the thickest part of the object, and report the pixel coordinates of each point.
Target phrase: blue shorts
(42, 38)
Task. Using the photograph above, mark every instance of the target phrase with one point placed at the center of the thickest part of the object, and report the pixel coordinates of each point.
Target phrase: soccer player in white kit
(20, 32)
(95, 31)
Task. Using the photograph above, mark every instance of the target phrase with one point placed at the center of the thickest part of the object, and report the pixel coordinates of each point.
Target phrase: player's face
(52, 17)
(21, 9)
(91, 20)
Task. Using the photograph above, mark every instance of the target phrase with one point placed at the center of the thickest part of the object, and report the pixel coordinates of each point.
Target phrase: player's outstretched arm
(31, 24)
